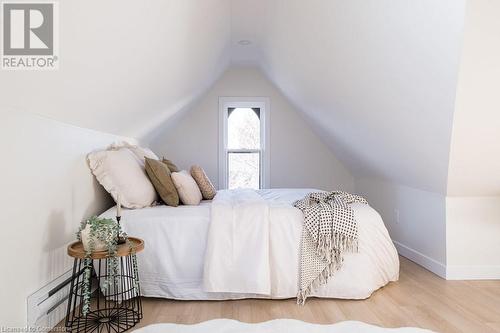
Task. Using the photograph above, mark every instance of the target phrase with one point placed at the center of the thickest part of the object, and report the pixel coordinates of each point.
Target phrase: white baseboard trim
(449, 272)
(432, 265)
(461, 272)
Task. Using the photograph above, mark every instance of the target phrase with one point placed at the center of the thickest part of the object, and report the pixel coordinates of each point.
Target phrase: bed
(172, 264)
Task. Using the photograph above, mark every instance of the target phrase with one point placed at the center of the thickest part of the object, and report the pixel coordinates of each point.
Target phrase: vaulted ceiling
(376, 78)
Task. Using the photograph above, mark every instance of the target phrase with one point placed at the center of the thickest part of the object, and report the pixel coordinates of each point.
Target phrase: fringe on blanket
(319, 281)
(330, 249)
(338, 242)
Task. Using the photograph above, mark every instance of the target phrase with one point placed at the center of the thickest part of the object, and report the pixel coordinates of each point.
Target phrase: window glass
(243, 128)
(244, 170)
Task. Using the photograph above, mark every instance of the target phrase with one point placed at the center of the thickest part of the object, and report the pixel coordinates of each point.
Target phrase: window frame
(263, 104)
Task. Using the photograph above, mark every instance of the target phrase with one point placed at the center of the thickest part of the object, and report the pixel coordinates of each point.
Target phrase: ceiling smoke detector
(245, 42)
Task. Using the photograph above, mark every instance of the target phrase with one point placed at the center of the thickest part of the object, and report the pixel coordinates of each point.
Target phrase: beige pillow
(200, 177)
(120, 173)
(171, 166)
(140, 152)
(159, 174)
(189, 193)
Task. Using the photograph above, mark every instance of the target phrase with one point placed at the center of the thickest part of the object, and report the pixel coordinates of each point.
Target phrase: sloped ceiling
(125, 65)
(377, 78)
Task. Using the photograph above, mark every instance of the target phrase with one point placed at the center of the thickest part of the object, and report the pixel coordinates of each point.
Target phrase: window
(243, 149)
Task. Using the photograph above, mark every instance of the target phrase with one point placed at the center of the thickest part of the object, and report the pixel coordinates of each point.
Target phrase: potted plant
(101, 234)
(98, 234)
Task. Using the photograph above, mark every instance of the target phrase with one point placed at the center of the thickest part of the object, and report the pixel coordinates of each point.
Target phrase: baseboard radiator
(47, 306)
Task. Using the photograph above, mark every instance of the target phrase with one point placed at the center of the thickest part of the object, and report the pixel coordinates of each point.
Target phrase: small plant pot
(98, 244)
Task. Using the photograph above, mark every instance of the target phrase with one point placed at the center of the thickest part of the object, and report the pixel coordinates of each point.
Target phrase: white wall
(458, 235)
(420, 231)
(47, 189)
(473, 202)
(475, 149)
(298, 157)
(475, 152)
(472, 232)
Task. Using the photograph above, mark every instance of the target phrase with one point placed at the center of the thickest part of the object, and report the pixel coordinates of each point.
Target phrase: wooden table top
(76, 249)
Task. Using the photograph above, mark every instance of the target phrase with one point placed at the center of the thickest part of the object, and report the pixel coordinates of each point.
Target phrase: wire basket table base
(115, 303)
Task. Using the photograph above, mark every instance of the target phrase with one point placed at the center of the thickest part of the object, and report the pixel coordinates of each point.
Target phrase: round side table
(115, 304)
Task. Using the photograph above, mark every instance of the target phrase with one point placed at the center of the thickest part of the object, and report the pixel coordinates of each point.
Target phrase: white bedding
(172, 263)
(238, 246)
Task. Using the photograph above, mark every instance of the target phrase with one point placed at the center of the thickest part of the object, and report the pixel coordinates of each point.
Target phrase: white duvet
(172, 264)
(237, 257)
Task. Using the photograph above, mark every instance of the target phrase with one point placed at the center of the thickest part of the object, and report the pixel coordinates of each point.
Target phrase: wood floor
(419, 299)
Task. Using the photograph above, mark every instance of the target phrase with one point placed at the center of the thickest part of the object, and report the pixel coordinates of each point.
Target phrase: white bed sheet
(172, 262)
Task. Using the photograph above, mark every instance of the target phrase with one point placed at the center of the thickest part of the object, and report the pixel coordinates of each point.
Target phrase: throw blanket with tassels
(329, 230)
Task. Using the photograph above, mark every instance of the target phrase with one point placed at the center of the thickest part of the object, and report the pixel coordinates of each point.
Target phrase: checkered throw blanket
(329, 229)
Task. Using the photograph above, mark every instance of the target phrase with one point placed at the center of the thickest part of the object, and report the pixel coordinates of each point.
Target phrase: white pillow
(139, 152)
(188, 190)
(120, 173)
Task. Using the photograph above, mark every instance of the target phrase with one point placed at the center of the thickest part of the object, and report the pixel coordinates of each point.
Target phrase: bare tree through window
(243, 129)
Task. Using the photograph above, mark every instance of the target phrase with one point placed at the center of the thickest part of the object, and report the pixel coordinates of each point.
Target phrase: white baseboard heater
(47, 306)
